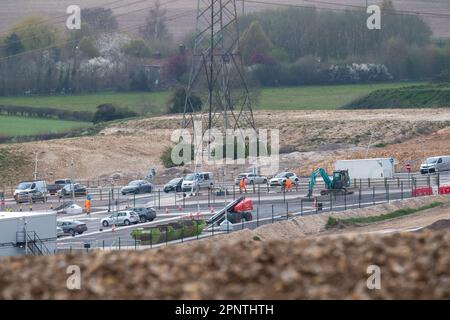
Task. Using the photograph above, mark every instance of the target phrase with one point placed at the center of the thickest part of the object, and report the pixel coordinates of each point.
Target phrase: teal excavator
(339, 182)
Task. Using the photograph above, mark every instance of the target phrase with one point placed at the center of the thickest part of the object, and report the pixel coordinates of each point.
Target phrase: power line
(75, 40)
(343, 6)
(56, 19)
(65, 17)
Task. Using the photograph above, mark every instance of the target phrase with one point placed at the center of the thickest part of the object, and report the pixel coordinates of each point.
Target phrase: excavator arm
(326, 178)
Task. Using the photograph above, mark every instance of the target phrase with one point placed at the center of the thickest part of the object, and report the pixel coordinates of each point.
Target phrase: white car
(281, 177)
(121, 218)
(250, 178)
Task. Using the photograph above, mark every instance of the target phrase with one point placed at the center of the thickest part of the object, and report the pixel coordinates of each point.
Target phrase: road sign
(408, 167)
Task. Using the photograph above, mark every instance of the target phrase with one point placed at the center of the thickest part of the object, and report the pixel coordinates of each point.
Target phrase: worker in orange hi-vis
(242, 185)
(87, 205)
(288, 184)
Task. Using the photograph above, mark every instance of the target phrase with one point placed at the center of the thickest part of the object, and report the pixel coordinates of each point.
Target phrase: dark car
(173, 185)
(136, 187)
(58, 185)
(72, 227)
(145, 214)
(79, 189)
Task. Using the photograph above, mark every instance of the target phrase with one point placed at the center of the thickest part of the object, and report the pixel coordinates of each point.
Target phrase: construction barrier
(444, 190)
(427, 191)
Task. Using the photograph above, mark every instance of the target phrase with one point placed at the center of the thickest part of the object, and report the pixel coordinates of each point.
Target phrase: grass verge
(335, 222)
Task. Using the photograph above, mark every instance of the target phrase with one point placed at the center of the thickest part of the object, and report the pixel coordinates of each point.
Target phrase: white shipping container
(12, 231)
(367, 168)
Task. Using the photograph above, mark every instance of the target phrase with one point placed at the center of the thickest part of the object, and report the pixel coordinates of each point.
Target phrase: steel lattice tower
(217, 66)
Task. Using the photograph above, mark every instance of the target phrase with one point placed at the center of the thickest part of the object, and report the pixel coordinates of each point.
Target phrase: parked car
(280, 178)
(121, 218)
(173, 185)
(58, 185)
(30, 196)
(250, 178)
(136, 187)
(194, 181)
(79, 189)
(435, 164)
(59, 232)
(26, 187)
(72, 227)
(145, 214)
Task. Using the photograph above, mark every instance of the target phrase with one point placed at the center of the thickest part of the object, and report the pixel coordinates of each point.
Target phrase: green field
(424, 96)
(23, 126)
(286, 98)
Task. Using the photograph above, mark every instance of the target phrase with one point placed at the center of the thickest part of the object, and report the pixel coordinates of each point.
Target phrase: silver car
(251, 178)
(121, 218)
(280, 178)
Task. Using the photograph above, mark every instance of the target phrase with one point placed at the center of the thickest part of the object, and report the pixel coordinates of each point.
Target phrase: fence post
(359, 198)
(331, 201)
(438, 180)
(257, 217)
(272, 212)
(368, 182)
(287, 210)
(119, 244)
(345, 200)
(159, 198)
(401, 190)
(259, 195)
(387, 193)
(301, 207)
(151, 238)
(373, 195)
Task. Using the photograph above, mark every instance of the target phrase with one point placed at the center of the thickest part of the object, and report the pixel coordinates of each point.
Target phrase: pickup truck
(58, 185)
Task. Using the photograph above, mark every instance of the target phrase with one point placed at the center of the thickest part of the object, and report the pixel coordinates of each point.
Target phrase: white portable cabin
(367, 168)
(32, 233)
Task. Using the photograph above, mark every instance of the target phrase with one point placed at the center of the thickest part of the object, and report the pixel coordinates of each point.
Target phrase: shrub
(108, 112)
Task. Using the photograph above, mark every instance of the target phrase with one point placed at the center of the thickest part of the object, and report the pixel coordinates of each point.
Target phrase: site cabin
(40, 228)
(378, 168)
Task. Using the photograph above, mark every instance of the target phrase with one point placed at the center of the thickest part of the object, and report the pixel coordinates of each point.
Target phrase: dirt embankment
(308, 139)
(413, 266)
(281, 261)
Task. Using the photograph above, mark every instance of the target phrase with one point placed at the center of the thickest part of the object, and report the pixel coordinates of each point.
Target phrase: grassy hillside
(155, 103)
(22, 126)
(423, 96)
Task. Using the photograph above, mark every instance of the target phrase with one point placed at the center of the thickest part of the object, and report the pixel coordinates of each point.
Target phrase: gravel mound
(413, 266)
(443, 224)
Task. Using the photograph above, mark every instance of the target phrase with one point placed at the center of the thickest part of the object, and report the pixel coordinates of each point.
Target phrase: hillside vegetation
(424, 96)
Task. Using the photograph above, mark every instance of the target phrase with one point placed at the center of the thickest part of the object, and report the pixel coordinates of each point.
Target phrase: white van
(195, 181)
(435, 164)
(26, 188)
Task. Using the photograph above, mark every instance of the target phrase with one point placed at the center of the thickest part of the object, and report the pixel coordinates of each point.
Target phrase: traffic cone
(167, 210)
(113, 228)
(3, 202)
(180, 208)
(212, 210)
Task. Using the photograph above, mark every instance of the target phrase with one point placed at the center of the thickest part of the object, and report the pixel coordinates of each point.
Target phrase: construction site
(353, 204)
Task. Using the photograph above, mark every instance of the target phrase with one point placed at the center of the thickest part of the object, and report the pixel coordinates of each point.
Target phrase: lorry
(367, 168)
(28, 233)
